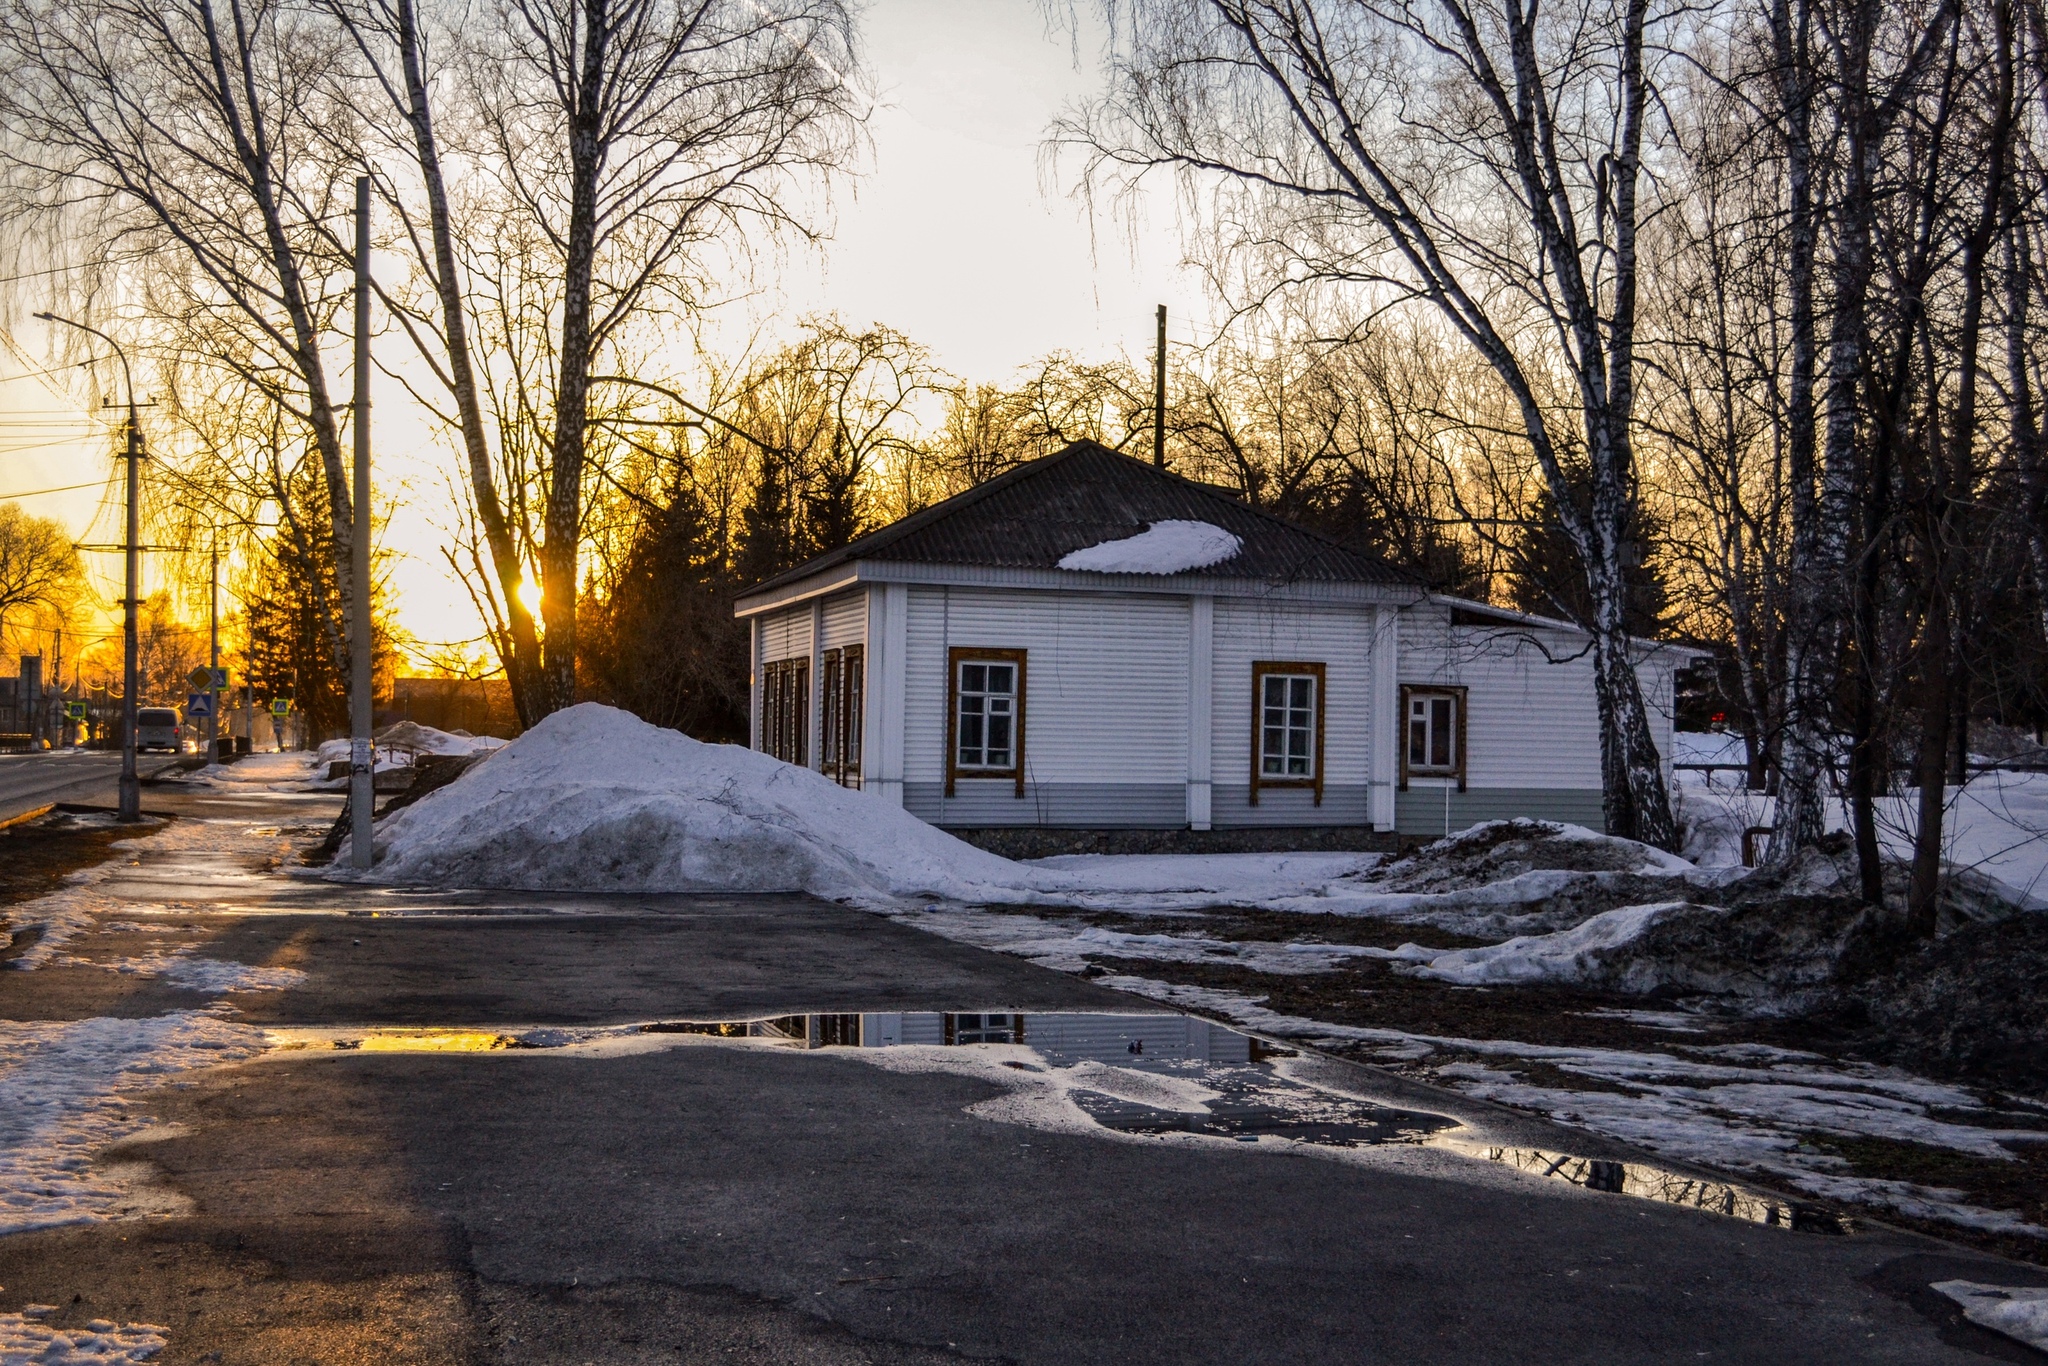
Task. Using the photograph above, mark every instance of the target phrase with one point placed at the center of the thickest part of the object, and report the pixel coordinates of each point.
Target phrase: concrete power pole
(131, 678)
(1159, 395)
(362, 759)
(213, 660)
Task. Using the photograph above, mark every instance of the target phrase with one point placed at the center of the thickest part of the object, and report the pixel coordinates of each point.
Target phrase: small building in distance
(1089, 642)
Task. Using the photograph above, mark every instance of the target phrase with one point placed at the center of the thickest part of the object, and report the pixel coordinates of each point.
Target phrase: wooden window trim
(840, 730)
(1260, 669)
(853, 723)
(1408, 690)
(968, 654)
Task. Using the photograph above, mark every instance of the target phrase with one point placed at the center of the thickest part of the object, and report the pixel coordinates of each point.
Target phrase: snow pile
(61, 1087)
(1161, 548)
(2018, 1311)
(27, 1341)
(1565, 956)
(412, 737)
(596, 799)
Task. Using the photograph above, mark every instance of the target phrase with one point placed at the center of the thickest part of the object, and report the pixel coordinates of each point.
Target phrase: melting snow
(25, 1340)
(2018, 1311)
(61, 1101)
(1162, 548)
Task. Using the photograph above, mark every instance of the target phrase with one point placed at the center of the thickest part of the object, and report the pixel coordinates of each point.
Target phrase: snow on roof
(1171, 547)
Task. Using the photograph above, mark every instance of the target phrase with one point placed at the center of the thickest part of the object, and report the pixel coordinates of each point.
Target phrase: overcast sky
(957, 234)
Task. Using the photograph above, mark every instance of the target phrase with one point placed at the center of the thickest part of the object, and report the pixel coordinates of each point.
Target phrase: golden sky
(956, 234)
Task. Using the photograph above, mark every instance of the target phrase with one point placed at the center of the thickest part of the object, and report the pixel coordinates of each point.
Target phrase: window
(985, 716)
(1287, 727)
(844, 700)
(1433, 734)
(786, 709)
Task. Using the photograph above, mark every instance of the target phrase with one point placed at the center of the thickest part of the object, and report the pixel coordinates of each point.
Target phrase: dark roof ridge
(884, 537)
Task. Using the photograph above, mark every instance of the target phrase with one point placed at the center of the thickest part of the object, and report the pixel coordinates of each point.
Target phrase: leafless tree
(1482, 158)
(172, 138)
(614, 154)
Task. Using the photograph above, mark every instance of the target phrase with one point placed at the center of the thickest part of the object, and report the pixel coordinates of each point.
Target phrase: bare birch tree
(1483, 157)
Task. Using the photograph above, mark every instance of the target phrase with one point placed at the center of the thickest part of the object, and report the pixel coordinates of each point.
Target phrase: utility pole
(213, 661)
(362, 758)
(1159, 395)
(131, 681)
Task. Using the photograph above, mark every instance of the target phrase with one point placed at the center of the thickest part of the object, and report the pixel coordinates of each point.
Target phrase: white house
(1091, 642)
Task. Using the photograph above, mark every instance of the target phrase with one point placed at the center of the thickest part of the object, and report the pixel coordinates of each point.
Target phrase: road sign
(75, 710)
(220, 678)
(198, 705)
(280, 706)
(201, 677)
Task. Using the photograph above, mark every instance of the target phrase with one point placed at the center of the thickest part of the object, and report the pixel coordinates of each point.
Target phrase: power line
(68, 488)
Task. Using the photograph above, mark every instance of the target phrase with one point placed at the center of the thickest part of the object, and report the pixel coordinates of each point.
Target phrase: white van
(156, 728)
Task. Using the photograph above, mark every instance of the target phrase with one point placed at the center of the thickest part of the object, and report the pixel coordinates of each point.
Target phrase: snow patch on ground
(1169, 547)
(79, 903)
(63, 1088)
(1563, 956)
(25, 1340)
(1068, 945)
(1693, 1104)
(183, 969)
(2018, 1311)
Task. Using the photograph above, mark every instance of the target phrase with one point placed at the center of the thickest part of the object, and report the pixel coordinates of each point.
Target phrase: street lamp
(131, 685)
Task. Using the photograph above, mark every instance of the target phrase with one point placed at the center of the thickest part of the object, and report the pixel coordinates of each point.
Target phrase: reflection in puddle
(1242, 1097)
(1662, 1185)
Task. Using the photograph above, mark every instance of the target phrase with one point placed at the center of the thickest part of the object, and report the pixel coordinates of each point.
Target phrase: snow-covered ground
(1996, 825)
(26, 1340)
(595, 799)
(1737, 1107)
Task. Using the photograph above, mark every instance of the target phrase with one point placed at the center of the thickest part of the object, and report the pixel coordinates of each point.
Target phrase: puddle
(1242, 1097)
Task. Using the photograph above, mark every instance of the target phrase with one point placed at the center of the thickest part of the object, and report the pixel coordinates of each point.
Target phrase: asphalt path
(28, 781)
(713, 1201)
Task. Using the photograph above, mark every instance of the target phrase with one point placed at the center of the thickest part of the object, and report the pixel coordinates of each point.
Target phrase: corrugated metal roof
(1037, 514)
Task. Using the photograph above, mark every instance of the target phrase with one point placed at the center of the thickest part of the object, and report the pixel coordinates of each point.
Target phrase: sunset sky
(956, 234)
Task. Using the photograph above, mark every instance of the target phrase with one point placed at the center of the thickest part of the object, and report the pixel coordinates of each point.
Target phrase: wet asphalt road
(28, 781)
(727, 1203)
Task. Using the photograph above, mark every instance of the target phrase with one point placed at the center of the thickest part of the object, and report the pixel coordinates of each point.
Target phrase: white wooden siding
(1106, 702)
(1339, 638)
(786, 634)
(846, 620)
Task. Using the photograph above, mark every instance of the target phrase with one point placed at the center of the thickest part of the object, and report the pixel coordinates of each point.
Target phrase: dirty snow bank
(593, 798)
(1168, 547)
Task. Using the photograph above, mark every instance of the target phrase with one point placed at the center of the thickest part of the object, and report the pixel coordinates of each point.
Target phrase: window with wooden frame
(984, 715)
(1432, 733)
(1287, 726)
(786, 709)
(844, 698)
